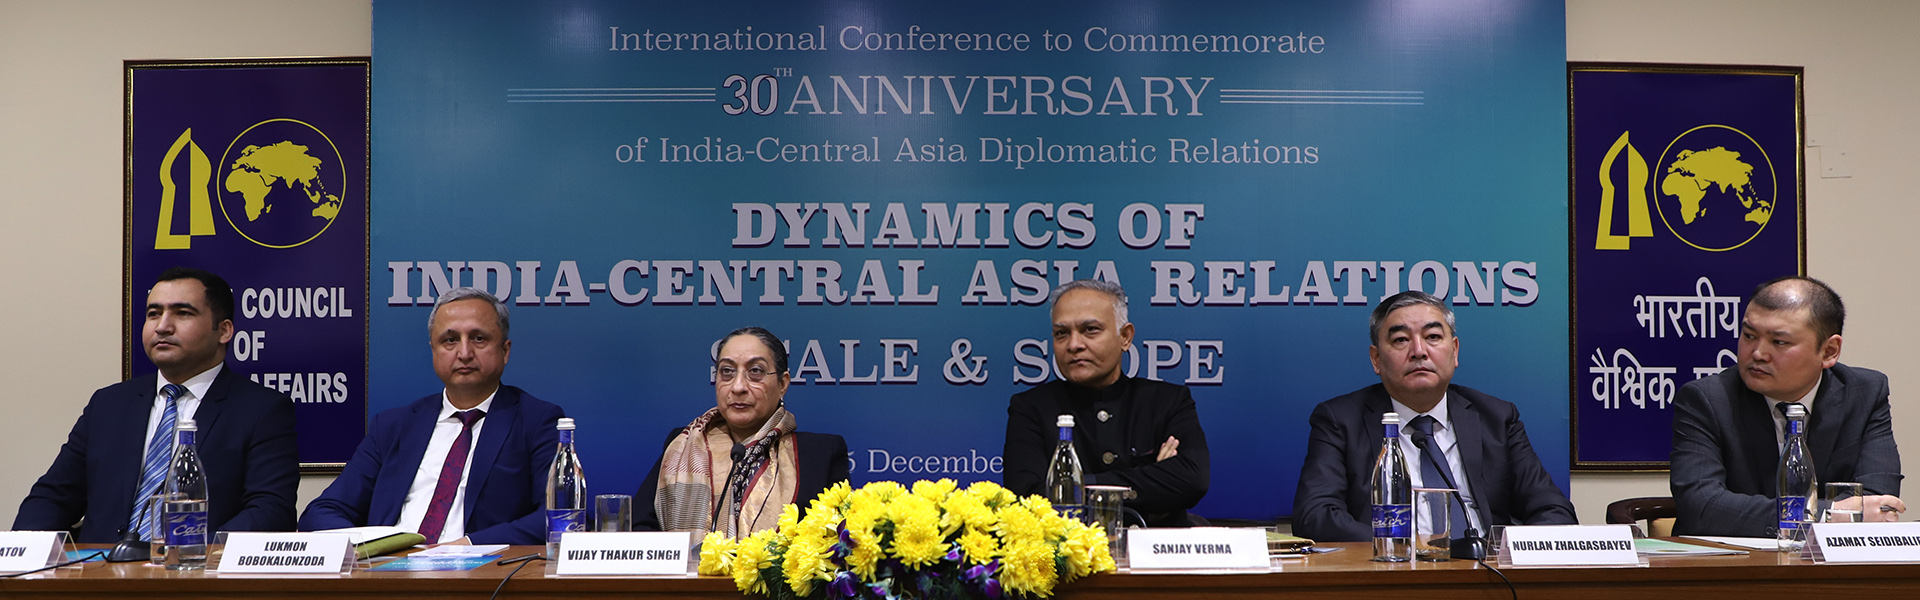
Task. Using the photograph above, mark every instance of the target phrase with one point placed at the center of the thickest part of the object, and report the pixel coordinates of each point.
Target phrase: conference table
(1346, 573)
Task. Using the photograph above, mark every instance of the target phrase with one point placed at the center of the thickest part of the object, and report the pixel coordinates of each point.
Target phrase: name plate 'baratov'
(29, 550)
(624, 553)
(1570, 545)
(310, 553)
(1197, 548)
(1864, 542)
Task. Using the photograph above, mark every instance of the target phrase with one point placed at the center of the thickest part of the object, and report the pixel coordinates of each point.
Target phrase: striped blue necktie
(159, 453)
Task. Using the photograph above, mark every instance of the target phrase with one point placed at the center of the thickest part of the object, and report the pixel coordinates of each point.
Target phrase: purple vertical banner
(1686, 193)
(257, 170)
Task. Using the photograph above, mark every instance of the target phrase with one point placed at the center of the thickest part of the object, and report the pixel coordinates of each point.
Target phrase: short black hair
(219, 294)
(1825, 312)
(1403, 300)
(767, 338)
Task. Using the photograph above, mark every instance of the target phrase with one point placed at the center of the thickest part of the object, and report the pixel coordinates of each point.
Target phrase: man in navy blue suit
(118, 451)
(1478, 442)
(467, 465)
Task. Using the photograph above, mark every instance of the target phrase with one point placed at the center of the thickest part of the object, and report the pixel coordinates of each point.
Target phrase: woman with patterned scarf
(737, 466)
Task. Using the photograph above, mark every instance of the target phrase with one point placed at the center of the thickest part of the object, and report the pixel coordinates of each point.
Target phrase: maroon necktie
(450, 477)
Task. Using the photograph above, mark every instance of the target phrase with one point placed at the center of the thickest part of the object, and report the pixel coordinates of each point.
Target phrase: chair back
(1658, 512)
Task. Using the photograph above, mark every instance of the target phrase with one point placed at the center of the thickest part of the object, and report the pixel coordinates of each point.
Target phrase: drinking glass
(1431, 540)
(613, 512)
(1836, 493)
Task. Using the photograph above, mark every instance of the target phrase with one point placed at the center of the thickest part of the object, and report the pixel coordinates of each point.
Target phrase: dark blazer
(823, 462)
(246, 444)
(1143, 414)
(1725, 459)
(506, 481)
(1334, 502)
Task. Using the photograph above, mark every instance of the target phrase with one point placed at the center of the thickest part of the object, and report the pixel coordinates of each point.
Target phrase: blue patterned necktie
(1432, 466)
(159, 453)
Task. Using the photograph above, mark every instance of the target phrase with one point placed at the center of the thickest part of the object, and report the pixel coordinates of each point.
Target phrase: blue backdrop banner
(894, 188)
(1686, 195)
(257, 170)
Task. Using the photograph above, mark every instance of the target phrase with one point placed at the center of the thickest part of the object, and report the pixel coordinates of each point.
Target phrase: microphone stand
(1469, 545)
(131, 548)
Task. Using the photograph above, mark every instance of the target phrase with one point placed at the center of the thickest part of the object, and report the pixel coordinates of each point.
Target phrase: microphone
(1469, 545)
(739, 453)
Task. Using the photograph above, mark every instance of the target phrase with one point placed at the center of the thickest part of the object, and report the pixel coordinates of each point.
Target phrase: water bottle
(566, 491)
(1796, 482)
(184, 508)
(1392, 498)
(1064, 484)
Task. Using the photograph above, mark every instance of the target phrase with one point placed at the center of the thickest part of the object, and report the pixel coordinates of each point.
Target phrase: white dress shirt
(1780, 420)
(446, 430)
(1443, 436)
(184, 406)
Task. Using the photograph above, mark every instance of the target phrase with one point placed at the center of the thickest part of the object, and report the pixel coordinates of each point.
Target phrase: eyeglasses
(755, 373)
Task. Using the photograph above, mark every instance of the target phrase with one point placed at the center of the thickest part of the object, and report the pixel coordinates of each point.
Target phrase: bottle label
(1392, 521)
(1793, 426)
(1066, 434)
(186, 528)
(566, 437)
(1077, 512)
(1792, 511)
(1393, 431)
(562, 521)
(185, 438)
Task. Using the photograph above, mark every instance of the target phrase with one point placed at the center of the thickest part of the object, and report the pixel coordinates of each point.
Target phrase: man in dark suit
(1727, 434)
(1478, 440)
(467, 465)
(118, 452)
(1138, 433)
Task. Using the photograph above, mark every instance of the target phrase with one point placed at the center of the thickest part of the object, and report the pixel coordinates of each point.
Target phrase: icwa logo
(1715, 190)
(280, 183)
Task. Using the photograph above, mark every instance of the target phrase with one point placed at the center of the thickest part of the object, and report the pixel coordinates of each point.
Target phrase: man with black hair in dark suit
(1138, 433)
(1728, 428)
(117, 454)
(1478, 440)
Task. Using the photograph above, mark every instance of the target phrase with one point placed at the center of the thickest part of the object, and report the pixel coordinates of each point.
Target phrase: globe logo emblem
(1715, 188)
(281, 183)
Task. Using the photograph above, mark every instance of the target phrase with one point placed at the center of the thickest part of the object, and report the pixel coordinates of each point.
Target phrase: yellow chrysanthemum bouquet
(934, 541)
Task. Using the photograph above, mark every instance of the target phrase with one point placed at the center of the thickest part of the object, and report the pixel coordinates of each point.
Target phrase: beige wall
(60, 168)
(1862, 65)
(60, 172)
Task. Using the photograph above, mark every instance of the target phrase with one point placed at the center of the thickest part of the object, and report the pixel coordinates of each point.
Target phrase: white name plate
(1865, 542)
(1570, 545)
(1197, 548)
(625, 553)
(29, 550)
(308, 553)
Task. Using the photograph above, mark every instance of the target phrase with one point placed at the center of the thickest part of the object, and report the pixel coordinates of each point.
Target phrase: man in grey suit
(1727, 429)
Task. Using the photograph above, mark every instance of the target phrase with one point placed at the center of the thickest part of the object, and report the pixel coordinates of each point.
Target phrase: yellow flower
(805, 562)
(716, 554)
(1027, 569)
(752, 556)
(934, 490)
(980, 547)
(916, 531)
(1079, 550)
(1017, 524)
(834, 496)
(990, 493)
(789, 519)
(865, 555)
